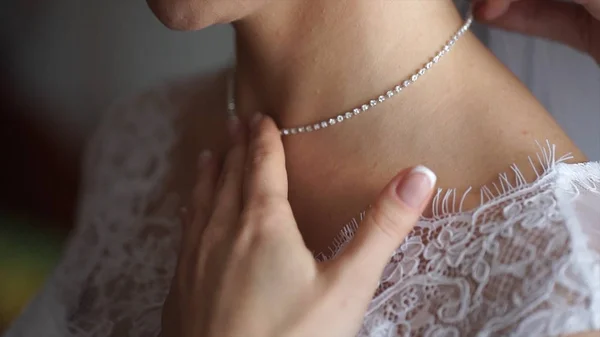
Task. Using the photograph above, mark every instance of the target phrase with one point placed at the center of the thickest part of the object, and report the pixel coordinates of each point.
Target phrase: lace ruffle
(523, 263)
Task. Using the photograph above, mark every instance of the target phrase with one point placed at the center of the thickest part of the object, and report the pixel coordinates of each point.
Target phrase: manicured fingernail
(234, 126)
(416, 186)
(204, 158)
(256, 120)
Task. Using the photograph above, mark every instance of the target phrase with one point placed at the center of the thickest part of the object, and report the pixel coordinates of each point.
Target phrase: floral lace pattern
(492, 272)
(524, 263)
(518, 265)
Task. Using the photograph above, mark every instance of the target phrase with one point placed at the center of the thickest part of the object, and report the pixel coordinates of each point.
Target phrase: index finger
(593, 6)
(266, 175)
(565, 22)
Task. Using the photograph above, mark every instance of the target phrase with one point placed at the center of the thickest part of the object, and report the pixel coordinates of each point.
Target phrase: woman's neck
(303, 61)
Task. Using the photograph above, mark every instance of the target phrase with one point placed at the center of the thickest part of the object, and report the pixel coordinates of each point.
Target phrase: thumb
(386, 224)
(564, 22)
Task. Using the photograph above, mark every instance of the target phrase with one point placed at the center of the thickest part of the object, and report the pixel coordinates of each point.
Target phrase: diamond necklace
(373, 102)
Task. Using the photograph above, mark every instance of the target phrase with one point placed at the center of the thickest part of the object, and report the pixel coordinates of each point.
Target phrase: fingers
(386, 225)
(202, 202)
(560, 21)
(266, 176)
(228, 200)
(491, 9)
(592, 6)
(203, 193)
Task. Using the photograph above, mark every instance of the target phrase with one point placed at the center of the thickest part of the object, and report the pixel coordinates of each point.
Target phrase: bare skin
(468, 119)
(299, 61)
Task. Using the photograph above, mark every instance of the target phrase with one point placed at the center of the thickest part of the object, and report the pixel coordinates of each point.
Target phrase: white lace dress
(524, 263)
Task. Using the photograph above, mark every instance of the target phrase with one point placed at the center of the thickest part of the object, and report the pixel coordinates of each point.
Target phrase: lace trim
(585, 177)
(445, 200)
(582, 177)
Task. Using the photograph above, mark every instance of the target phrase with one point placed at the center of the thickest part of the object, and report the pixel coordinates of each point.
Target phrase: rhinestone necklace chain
(373, 102)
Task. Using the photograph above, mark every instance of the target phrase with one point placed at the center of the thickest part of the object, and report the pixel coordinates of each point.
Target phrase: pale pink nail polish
(414, 189)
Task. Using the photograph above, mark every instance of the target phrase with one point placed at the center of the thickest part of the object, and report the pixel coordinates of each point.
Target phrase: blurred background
(63, 62)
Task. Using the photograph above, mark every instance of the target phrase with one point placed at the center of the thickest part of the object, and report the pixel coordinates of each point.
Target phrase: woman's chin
(184, 14)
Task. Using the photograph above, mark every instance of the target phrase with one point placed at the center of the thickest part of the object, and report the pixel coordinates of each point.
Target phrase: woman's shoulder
(127, 217)
(167, 102)
(523, 263)
(150, 123)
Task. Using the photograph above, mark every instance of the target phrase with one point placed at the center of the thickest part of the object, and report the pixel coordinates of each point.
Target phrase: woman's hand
(244, 269)
(575, 24)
